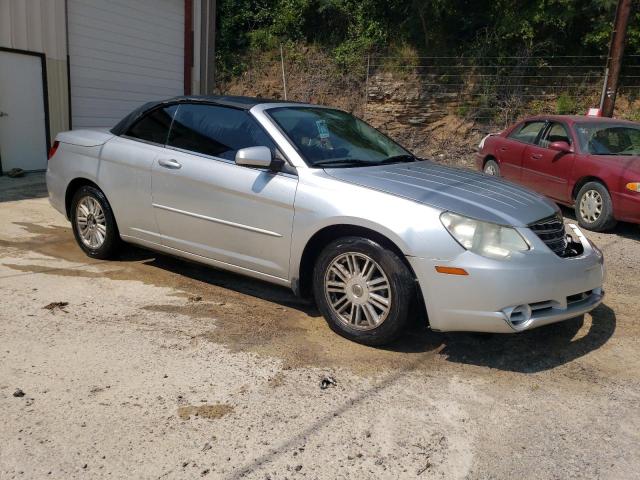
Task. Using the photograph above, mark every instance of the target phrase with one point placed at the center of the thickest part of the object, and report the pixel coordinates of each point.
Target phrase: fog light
(519, 316)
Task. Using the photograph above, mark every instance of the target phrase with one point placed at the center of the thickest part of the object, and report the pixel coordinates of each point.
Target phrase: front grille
(551, 232)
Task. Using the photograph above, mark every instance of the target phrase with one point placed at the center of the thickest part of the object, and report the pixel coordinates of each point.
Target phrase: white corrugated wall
(122, 54)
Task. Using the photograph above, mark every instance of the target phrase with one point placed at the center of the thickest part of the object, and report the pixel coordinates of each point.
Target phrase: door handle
(536, 156)
(503, 149)
(169, 163)
(3, 114)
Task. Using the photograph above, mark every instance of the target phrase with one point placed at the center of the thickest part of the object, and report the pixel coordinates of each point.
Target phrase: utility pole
(616, 51)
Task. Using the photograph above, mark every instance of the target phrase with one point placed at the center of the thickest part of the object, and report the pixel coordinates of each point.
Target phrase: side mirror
(560, 146)
(254, 157)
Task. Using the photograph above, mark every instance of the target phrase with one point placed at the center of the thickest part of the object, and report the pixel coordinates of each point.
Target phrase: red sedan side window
(528, 132)
(556, 133)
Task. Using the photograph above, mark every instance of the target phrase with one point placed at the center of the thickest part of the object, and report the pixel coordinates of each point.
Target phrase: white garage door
(122, 54)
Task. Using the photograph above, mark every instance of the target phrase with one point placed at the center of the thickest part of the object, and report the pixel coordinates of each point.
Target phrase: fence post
(284, 78)
(366, 88)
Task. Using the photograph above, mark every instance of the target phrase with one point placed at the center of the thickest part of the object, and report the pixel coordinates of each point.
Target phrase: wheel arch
(315, 244)
(72, 188)
(489, 156)
(583, 181)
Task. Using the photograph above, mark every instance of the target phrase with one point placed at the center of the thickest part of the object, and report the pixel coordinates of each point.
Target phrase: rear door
(510, 150)
(125, 172)
(547, 171)
(207, 205)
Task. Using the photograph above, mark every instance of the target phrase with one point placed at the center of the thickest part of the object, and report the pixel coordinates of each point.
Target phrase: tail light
(52, 150)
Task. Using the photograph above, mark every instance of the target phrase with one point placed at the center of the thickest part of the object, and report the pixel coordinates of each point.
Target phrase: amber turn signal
(451, 270)
(633, 186)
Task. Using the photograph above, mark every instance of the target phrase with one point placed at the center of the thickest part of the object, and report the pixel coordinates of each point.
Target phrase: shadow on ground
(249, 315)
(527, 352)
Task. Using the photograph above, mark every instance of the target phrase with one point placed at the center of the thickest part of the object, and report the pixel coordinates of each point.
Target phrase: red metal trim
(188, 45)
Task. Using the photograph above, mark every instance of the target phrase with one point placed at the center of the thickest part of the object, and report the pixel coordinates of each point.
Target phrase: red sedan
(591, 163)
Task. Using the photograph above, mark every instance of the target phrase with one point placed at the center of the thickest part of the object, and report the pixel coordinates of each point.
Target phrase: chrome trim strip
(218, 220)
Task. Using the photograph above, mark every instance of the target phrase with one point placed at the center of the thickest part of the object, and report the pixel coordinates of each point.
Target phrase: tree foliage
(350, 29)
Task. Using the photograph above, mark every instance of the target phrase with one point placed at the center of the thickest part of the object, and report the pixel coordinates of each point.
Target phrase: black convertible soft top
(241, 103)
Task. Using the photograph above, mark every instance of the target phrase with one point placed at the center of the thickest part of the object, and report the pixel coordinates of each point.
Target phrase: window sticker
(323, 130)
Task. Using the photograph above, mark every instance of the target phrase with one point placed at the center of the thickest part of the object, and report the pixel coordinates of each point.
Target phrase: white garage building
(87, 63)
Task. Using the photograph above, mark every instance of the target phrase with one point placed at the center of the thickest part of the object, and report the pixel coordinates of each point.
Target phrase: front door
(207, 205)
(23, 131)
(547, 171)
(510, 151)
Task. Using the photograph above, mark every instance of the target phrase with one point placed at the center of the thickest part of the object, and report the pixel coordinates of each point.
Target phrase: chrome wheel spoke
(370, 314)
(367, 269)
(337, 287)
(341, 304)
(355, 314)
(358, 290)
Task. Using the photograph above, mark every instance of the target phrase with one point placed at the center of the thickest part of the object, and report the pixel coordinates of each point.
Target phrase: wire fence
(492, 90)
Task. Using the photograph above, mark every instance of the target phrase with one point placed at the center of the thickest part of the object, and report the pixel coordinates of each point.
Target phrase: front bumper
(626, 206)
(529, 290)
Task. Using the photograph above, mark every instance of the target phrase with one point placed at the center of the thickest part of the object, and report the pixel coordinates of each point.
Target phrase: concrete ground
(152, 367)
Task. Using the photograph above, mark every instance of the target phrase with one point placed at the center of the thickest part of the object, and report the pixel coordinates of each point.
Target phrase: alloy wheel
(91, 222)
(490, 169)
(358, 291)
(591, 206)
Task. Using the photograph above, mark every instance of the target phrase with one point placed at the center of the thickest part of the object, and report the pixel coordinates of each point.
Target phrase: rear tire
(93, 223)
(594, 209)
(363, 290)
(492, 168)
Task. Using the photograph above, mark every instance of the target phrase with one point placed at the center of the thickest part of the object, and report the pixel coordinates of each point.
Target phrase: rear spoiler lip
(85, 138)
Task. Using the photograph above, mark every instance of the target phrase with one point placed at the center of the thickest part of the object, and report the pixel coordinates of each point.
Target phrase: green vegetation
(566, 105)
(349, 29)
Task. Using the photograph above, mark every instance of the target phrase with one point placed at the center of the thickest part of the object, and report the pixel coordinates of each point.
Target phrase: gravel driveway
(151, 367)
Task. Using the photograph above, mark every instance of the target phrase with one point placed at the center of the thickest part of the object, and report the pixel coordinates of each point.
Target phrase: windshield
(332, 138)
(609, 138)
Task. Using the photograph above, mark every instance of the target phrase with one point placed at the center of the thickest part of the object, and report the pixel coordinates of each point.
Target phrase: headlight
(484, 238)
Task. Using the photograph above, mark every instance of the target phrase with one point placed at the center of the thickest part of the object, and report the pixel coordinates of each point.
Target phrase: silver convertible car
(315, 199)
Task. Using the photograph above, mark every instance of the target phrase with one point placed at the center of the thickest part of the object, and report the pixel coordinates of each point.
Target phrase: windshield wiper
(346, 162)
(342, 162)
(406, 158)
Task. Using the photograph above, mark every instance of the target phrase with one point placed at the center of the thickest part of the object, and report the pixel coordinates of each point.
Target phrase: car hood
(460, 191)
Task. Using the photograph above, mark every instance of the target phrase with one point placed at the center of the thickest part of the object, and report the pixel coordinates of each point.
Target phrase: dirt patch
(210, 412)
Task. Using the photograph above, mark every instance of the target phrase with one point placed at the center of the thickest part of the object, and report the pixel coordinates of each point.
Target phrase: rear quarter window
(528, 132)
(154, 126)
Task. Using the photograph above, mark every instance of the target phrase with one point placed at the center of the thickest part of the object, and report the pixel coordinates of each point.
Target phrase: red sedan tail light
(52, 150)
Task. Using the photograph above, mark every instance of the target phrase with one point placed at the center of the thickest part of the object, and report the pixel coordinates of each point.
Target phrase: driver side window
(555, 133)
(216, 131)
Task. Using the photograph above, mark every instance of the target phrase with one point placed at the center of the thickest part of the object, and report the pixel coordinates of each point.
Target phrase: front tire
(594, 209)
(492, 168)
(363, 290)
(94, 225)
